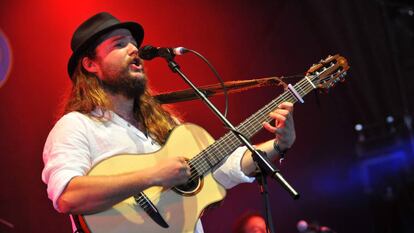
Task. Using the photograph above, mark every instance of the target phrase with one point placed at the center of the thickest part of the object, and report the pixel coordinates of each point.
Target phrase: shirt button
(129, 125)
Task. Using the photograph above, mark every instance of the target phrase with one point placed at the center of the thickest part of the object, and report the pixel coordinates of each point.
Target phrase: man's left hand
(284, 128)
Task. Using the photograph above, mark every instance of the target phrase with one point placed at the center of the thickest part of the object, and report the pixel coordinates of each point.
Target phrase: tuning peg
(342, 77)
(328, 57)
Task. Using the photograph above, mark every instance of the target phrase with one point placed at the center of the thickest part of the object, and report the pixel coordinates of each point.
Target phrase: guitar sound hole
(190, 188)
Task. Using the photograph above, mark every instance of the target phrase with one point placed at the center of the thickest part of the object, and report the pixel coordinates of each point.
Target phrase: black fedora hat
(89, 31)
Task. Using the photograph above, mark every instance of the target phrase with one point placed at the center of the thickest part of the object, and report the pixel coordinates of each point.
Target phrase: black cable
(218, 77)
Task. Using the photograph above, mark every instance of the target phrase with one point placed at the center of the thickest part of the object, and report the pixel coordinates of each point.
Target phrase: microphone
(149, 52)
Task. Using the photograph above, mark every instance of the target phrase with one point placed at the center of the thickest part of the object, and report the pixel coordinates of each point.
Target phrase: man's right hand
(91, 194)
(171, 172)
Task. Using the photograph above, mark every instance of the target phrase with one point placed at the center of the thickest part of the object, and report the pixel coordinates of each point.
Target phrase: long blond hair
(87, 94)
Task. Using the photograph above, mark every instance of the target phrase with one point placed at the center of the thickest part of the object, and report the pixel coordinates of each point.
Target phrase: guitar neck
(218, 151)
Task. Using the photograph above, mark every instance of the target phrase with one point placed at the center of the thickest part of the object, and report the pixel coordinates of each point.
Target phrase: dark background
(351, 181)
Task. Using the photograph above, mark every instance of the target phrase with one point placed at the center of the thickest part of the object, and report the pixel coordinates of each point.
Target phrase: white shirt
(77, 142)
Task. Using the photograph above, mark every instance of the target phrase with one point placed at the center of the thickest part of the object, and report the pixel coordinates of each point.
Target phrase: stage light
(359, 127)
(389, 119)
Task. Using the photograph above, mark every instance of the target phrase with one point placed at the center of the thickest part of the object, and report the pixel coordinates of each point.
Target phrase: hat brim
(136, 31)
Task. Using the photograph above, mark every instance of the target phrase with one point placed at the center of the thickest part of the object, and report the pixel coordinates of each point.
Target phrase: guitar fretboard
(223, 147)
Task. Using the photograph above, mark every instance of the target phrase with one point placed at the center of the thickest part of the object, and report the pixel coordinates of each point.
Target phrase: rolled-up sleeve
(229, 174)
(65, 155)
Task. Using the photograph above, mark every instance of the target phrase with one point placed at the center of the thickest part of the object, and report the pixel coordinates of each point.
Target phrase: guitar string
(198, 162)
(247, 125)
(253, 118)
(227, 138)
(286, 95)
(234, 143)
(144, 204)
(204, 156)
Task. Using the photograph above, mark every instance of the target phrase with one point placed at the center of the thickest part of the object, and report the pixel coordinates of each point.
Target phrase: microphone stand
(262, 162)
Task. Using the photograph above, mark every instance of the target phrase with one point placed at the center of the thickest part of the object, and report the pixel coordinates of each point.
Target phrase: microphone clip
(166, 53)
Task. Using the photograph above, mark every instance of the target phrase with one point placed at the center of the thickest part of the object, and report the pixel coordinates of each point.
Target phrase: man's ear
(90, 65)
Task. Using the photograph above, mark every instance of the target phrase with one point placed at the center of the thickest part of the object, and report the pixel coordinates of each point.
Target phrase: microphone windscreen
(147, 52)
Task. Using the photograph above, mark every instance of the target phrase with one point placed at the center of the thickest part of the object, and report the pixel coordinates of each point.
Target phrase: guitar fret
(299, 90)
(209, 159)
(311, 83)
(213, 154)
(196, 165)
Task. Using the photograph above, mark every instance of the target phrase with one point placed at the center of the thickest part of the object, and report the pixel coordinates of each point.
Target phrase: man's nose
(132, 49)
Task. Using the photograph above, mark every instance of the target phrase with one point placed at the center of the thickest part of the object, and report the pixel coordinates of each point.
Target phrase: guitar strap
(78, 228)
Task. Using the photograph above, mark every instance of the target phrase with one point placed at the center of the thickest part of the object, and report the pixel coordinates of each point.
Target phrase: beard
(126, 86)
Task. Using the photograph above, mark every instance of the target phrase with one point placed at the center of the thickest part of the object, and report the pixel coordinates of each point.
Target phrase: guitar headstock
(328, 72)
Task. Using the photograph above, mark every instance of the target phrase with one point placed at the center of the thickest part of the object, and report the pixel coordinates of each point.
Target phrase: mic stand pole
(262, 182)
(262, 161)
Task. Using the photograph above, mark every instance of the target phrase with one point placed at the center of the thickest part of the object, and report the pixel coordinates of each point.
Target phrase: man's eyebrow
(120, 37)
(116, 38)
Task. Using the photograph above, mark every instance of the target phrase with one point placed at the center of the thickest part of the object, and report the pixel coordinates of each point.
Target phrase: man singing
(110, 111)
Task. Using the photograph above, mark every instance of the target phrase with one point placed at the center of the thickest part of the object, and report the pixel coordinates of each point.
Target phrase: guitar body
(181, 212)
